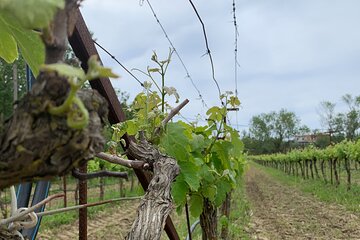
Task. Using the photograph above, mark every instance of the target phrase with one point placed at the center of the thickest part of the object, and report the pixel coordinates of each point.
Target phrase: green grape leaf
(119, 130)
(65, 70)
(190, 172)
(32, 13)
(172, 91)
(215, 114)
(93, 165)
(198, 161)
(96, 70)
(209, 191)
(238, 145)
(179, 190)
(8, 47)
(234, 101)
(153, 69)
(230, 176)
(31, 47)
(206, 174)
(196, 205)
(223, 187)
(176, 142)
(179, 209)
(28, 41)
(132, 127)
(216, 161)
(221, 149)
(197, 143)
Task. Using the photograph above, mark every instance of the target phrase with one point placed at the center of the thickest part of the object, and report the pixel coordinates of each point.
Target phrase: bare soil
(106, 225)
(283, 212)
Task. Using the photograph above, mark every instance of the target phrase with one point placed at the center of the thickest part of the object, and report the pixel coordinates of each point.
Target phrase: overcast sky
(293, 54)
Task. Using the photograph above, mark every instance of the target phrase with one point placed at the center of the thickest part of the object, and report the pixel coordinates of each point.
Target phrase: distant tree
(255, 147)
(304, 130)
(124, 101)
(327, 115)
(286, 126)
(344, 124)
(271, 132)
(260, 126)
(350, 119)
(322, 141)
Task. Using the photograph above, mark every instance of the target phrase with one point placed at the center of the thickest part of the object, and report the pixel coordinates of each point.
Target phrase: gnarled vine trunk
(311, 169)
(306, 168)
(302, 169)
(336, 175)
(348, 172)
(322, 166)
(36, 144)
(208, 221)
(331, 171)
(157, 204)
(316, 168)
(5, 234)
(225, 211)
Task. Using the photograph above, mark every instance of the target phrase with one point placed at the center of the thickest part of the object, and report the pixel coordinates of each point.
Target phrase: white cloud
(293, 54)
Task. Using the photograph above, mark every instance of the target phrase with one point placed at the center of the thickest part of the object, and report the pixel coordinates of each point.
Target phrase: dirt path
(282, 212)
(106, 225)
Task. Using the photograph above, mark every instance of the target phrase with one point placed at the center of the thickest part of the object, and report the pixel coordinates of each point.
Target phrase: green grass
(324, 192)
(240, 213)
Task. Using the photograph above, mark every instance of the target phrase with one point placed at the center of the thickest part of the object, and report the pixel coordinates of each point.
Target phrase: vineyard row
(310, 162)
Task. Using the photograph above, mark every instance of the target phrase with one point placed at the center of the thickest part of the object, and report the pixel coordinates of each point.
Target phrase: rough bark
(5, 234)
(336, 175)
(306, 169)
(348, 172)
(316, 169)
(35, 144)
(331, 171)
(76, 194)
(121, 188)
(15, 83)
(322, 166)
(99, 174)
(208, 221)
(157, 204)
(225, 210)
(102, 188)
(302, 169)
(311, 169)
(132, 182)
(3, 205)
(65, 191)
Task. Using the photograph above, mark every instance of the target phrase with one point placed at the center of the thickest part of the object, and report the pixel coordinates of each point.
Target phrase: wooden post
(83, 200)
(65, 191)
